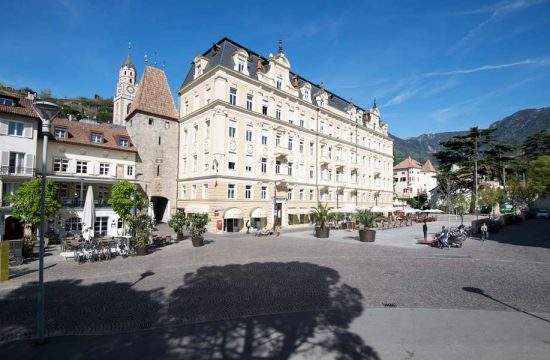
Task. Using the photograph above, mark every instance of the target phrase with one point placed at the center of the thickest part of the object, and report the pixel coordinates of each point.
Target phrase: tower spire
(128, 61)
(280, 46)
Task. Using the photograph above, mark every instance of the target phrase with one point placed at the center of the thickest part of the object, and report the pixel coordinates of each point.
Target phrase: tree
(491, 197)
(25, 202)
(466, 152)
(45, 94)
(539, 175)
(536, 145)
(122, 199)
(522, 194)
(449, 184)
(461, 205)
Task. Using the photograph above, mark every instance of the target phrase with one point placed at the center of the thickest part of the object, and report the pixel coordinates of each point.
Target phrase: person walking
(248, 226)
(278, 230)
(425, 231)
(484, 232)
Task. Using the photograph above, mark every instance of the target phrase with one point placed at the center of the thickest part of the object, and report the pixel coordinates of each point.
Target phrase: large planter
(179, 237)
(322, 232)
(367, 235)
(141, 250)
(198, 241)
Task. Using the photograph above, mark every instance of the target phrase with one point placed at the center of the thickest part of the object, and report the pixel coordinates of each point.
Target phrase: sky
(432, 65)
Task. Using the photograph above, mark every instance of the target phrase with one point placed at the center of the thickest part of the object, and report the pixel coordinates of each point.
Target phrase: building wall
(207, 114)
(156, 139)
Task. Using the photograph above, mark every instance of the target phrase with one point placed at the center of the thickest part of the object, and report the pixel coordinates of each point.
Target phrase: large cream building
(260, 142)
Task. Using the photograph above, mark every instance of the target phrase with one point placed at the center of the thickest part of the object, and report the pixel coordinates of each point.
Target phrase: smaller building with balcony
(412, 179)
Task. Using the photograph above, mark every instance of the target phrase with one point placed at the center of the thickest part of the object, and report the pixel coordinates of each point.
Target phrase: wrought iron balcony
(16, 171)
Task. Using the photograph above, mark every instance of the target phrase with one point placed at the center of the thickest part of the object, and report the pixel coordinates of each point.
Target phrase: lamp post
(46, 111)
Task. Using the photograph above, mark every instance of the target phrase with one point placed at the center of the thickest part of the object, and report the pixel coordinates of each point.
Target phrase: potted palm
(198, 228)
(321, 215)
(178, 223)
(143, 226)
(366, 218)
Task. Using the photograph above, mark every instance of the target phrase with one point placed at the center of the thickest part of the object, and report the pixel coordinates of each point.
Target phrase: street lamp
(46, 111)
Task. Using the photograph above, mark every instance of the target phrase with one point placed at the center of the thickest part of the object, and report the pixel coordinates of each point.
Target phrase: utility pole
(475, 175)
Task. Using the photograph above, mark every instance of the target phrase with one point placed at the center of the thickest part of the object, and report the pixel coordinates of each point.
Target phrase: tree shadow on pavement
(251, 311)
(533, 233)
(479, 291)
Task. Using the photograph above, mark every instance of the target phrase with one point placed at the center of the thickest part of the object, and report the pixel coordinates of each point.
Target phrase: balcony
(280, 152)
(16, 171)
(77, 203)
(339, 163)
(324, 160)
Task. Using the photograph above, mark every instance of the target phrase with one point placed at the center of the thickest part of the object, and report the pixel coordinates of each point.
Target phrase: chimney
(71, 117)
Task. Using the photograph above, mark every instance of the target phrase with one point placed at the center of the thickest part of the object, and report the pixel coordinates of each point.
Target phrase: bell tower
(125, 91)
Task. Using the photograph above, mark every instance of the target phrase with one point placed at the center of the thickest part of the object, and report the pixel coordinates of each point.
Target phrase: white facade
(411, 179)
(239, 133)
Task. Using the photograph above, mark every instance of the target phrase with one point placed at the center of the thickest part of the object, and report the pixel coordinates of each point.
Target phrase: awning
(196, 208)
(292, 211)
(304, 211)
(233, 213)
(258, 213)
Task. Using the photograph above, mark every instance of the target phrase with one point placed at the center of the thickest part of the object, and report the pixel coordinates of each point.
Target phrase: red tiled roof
(408, 164)
(23, 105)
(428, 166)
(153, 95)
(80, 133)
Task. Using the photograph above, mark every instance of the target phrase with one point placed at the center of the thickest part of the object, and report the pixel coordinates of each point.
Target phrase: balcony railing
(75, 203)
(281, 151)
(16, 171)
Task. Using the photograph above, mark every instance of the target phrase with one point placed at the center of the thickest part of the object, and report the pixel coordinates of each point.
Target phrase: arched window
(128, 108)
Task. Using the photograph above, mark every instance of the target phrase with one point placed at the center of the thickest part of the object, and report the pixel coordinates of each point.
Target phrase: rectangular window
(277, 167)
(206, 163)
(60, 165)
(195, 134)
(265, 106)
(264, 165)
(97, 138)
(289, 167)
(232, 129)
(208, 96)
(233, 96)
(151, 121)
(15, 128)
(289, 194)
(301, 194)
(81, 167)
(103, 169)
(311, 194)
(249, 134)
(183, 193)
(184, 165)
(240, 66)
(205, 191)
(264, 137)
(311, 172)
(290, 142)
(279, 82)
(278, 140)
(231, 191)
(130, 171)
(193, 191)
(60, 133)
(232, 161)
(302, 122)
(278, 113)
(207, 130)
(301, 146)
(263, 193)
(249, 102)
(124, 142)
(248, 163)
(196, 103)
(184, 139)
(291, 117)
(311, 147)
(248, 192)
(195, 165)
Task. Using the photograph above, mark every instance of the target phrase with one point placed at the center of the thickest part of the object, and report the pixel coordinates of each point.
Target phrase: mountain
(512, 129)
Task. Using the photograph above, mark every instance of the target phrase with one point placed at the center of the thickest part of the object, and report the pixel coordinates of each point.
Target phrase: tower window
(128, 108)
(151, 121)
(159, 140)
(158, 170)
(131, 81)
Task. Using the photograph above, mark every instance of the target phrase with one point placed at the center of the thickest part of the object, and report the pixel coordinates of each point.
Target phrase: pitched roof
(23, 106)
(221, 53)
(153, 95)
(408, 163)
(428, 166)
(81, 133)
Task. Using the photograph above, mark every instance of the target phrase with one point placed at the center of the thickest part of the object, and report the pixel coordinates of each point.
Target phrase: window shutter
(3, 127)
(27, 131)
(29, 164)
(112, 170)
(5, 158)
(72, 166)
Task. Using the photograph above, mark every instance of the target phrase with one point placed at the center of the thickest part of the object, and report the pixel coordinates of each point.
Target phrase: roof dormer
(305, 91)
(240, 61)
(321, 97)
(200, 64)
